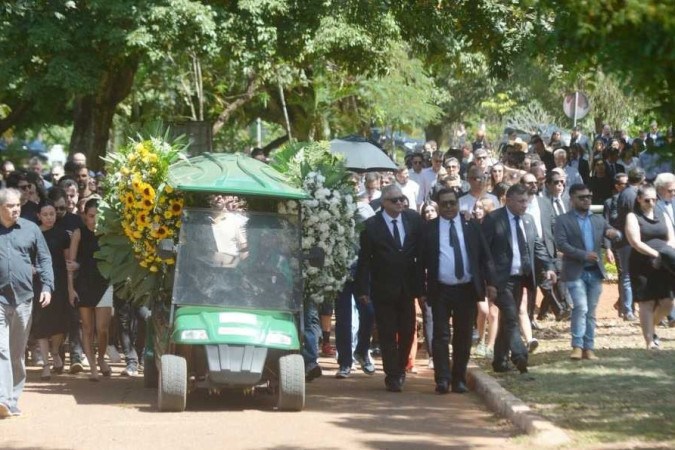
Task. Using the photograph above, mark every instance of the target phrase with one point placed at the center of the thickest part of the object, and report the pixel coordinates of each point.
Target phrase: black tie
(454, 243)
(522, 247)
(558, 207)
(397, 235)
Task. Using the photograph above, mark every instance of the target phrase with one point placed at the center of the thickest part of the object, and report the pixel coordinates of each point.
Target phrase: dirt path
(71, 412)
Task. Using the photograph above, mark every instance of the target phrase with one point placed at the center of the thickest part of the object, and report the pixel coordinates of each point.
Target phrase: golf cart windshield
(238, 259)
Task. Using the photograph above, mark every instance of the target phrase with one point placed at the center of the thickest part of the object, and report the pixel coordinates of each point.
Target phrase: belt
(455, 286)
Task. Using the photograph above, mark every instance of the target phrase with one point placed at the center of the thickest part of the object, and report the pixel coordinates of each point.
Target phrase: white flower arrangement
(327, 222)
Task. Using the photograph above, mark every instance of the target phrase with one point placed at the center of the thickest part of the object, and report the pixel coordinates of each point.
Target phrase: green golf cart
(234, 321)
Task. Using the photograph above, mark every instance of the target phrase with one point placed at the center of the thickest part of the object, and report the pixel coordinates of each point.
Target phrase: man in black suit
(541, 210)
(512, 238)
(387, 273)
(455, 263)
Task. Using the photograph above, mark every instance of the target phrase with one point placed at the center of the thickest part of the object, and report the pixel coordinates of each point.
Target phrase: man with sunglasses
(477, 185)
(387, 274)
(518, 255)
(455, 263)
(579, 236)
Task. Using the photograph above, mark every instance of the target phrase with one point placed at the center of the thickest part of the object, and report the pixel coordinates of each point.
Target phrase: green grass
(628, 395)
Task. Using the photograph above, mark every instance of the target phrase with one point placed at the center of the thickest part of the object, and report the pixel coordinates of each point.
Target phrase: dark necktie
(454, 243)
(525, 265)
(397, 235)
(558, 207)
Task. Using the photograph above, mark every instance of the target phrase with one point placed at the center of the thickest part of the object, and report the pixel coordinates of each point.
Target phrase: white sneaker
(113, 355)
(431, 363)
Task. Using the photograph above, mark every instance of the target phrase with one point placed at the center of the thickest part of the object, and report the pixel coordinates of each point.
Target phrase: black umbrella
(362, 156)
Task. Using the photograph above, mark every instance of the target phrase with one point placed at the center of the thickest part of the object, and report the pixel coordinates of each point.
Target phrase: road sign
(576, 106)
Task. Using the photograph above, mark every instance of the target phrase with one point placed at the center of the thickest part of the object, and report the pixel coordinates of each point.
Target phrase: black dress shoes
(521, 365)
(502, 368)
(442, 387)
(393, 385)
(459, 388)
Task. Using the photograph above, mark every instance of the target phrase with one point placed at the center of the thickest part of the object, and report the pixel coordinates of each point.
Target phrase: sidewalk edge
(507, 405)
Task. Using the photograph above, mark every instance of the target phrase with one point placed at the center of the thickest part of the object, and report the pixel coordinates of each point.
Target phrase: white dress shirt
(446, 254)
(535, 212)
(399, 224)
(411, 190)
(515, 262)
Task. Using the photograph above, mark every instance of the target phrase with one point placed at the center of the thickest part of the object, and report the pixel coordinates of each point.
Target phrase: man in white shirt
(430, 174)
(417, 175)
(408, 187)
(477, 182)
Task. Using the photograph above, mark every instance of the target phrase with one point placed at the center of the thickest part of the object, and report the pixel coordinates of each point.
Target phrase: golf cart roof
(231, 174)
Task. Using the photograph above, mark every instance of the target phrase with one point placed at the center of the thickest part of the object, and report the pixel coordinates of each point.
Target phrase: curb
(507, 405)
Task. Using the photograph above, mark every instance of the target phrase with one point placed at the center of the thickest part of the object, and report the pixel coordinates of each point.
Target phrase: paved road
(356, 413)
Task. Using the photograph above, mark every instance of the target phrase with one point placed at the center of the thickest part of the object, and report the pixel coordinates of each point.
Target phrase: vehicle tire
(150, 374)
(291, 383)
(172, 392)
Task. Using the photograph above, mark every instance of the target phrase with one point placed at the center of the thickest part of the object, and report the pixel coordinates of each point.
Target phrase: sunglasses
(448, 203)
(558, 182)
(585, 197)
(401, 199)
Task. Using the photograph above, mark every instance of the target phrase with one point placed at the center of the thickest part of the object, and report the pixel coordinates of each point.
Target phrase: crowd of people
(51, 291)
(463, 237)
(471, 234)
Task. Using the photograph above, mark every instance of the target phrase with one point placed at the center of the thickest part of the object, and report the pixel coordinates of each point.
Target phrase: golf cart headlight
(278, 338)
(194, 335)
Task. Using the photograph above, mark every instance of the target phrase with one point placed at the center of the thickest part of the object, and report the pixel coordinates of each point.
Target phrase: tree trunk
(93, 114)
(434, 132)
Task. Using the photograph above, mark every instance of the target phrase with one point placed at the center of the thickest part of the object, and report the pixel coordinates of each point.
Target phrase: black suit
(584, 170)
(611, 171)
(497, 231)
(456, 300)
(390, 276)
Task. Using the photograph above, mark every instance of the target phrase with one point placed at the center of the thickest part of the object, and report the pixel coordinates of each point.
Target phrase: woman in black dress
(648, 231)
(50, 323)
(90, 292)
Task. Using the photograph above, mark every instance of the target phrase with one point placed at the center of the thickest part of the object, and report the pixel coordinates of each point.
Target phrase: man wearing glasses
(579, 236)
(555, 191)
(455, 263)
(518, 254)
(387, 274)
(477, 185)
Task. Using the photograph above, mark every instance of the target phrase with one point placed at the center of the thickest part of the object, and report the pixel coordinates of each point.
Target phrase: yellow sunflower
(176, 207)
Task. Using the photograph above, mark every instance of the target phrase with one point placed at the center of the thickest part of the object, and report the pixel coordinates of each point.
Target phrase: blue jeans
(312, 330)
(14, 328)
(625, 290)
(343, 326)
(585, 293)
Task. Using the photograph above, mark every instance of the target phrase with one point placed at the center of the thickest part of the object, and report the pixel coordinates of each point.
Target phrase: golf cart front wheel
(291, 383)
(172, 392)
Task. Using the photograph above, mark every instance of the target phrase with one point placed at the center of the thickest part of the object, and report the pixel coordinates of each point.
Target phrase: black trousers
(508, 340)
(458, 302)
(395, 318)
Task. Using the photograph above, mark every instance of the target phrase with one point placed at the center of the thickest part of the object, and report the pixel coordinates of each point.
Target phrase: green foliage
(298, 159)
(633, 39)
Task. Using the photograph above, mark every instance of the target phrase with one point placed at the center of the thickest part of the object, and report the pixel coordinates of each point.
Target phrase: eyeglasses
(585, 197)
(448, 203)
(401, 199)
(452, 166)
(24, 187)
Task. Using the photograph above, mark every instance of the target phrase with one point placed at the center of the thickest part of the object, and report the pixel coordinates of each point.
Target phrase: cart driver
(228, 225)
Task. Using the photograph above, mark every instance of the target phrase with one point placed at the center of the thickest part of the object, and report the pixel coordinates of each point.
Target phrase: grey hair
(390, 189)
(663, 180)
(8, 192)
